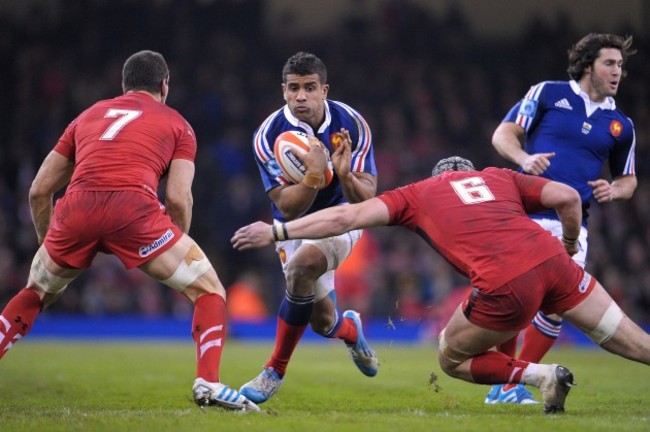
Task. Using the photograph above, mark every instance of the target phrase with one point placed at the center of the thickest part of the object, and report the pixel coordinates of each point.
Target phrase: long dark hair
(585, 51)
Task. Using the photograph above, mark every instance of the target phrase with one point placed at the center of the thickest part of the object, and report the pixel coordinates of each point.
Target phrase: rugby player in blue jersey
(566, 131)
(309, 265)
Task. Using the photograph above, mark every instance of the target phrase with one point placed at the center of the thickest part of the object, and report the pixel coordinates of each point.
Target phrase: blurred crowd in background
(428, 85)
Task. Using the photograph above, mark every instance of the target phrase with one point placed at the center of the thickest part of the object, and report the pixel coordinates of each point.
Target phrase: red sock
(493, 367)
(347, 331)
(286, 340)
(535, 346)
(209, 333)
(17, 318)
(509, 348)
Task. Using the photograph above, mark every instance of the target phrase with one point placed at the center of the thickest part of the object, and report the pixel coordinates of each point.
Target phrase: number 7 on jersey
(123, 116)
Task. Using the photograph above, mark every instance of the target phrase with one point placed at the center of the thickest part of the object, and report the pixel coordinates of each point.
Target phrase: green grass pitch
(146, 386)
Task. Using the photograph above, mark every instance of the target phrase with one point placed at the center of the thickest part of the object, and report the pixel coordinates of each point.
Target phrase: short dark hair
(144, 70)
(585, 51)
(303, 63)
(453, 163)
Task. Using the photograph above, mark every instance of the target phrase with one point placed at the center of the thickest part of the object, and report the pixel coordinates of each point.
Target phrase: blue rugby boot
(362, 355)
(262, 387)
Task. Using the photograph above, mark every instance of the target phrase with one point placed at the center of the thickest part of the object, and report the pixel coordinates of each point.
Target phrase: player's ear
(164, 89)
(326, 88)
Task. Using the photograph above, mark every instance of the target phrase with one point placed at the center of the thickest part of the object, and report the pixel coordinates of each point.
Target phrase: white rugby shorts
(555, 227)
(336, 250)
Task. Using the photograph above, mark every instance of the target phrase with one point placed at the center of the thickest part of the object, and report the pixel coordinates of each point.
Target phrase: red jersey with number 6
(125, 143)
(477, 221)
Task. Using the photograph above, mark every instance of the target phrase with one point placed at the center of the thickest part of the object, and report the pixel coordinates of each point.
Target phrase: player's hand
(537, 163)
(315, 160)
(602, 190)
(342, 156)
(253, 236)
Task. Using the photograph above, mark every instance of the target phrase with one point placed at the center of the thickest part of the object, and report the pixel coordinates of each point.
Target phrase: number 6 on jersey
(472, 190)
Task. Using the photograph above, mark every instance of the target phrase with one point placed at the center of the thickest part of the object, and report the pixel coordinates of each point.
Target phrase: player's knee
(448, 357)
(194, 265)
(45, 280)
(301, 278)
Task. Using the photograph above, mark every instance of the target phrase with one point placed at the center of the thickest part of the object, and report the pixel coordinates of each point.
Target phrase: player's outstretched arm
(325, 223)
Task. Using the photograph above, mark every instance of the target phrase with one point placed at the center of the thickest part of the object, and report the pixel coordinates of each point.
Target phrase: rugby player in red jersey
(113, 155)
(478, 221)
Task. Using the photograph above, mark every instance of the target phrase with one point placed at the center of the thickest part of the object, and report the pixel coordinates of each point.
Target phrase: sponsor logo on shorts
(147, 250)
(584, 283)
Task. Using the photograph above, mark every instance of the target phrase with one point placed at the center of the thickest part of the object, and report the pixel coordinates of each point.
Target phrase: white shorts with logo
(555, 227)
(336, 250)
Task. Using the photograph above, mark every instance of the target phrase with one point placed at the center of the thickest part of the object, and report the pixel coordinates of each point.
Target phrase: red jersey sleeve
(530, 190)
(186, 144)
(65, 145)
(400, 210)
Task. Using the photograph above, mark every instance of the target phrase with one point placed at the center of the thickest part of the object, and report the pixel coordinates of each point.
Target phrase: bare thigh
(628, 340)
(467, 340)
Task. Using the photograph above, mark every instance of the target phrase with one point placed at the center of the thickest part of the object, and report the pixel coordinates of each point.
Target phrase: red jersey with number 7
(477, 221)
(125, 143)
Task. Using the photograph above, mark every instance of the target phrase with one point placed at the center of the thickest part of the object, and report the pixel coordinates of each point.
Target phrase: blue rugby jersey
(337, 115)
(558, 117)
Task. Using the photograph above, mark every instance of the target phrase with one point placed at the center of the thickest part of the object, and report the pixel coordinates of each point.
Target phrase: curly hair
(303, 63)
(585, 51)
(454, 163)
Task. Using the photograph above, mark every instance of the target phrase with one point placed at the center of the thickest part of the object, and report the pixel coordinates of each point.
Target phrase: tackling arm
(324, 223)
(54, 173)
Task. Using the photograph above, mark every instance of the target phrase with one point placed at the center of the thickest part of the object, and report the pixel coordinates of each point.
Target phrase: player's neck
(593, 95)
(155, 96)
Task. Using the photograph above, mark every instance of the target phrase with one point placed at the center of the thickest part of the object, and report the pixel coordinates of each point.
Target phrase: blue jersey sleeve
(527, 112)
(263, 141)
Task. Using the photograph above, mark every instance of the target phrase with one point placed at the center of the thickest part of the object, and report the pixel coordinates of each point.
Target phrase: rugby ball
(289, 146)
